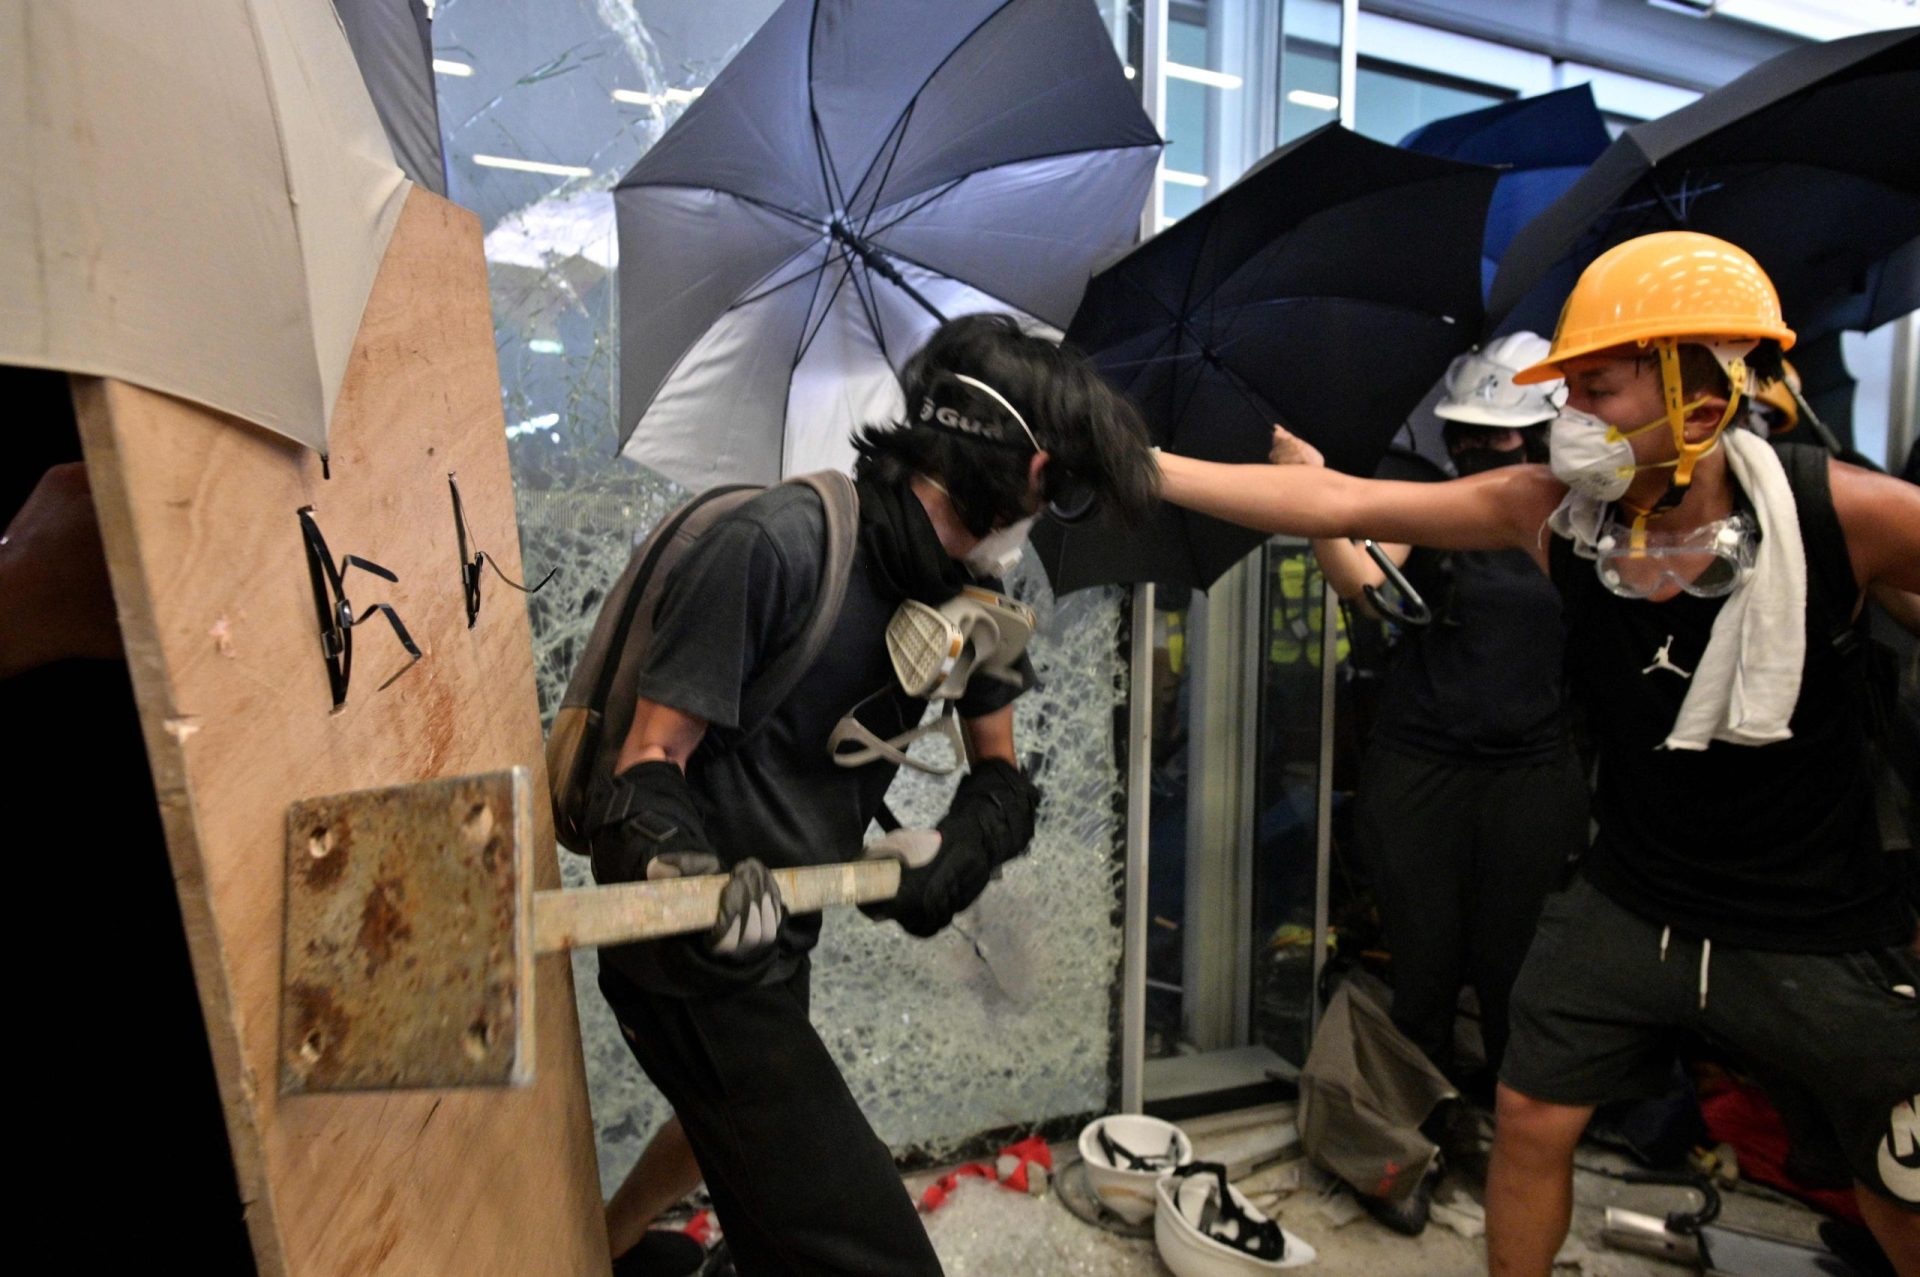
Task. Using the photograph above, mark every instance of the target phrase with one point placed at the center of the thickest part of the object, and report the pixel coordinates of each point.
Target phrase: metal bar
(1153, 89)
(1323, 800)
(1903, 400)
(1248, 644)
(587, 917)
(1139, 778)
(1133, 938)
(1349, 58)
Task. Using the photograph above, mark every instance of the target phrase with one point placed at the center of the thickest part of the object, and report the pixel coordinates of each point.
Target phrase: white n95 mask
(1593, 458)
(1000, 549)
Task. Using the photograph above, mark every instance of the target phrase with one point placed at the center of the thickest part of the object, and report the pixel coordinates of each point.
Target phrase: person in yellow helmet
(1736, 888)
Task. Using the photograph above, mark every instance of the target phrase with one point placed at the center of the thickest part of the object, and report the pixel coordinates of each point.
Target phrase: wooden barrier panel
(199, 515)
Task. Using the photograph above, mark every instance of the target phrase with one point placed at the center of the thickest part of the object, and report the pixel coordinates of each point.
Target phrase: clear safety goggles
(1707, 562)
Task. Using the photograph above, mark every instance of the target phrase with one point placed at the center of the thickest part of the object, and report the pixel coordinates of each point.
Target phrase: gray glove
(750, 906)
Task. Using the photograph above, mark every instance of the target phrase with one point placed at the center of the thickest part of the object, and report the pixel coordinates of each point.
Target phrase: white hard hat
(1480, 389)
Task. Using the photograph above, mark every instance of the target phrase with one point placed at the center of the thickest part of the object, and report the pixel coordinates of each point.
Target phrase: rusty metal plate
(409, 955)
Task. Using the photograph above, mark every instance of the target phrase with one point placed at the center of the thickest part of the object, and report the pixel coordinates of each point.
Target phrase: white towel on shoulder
(1749, 677)
(1748, 680)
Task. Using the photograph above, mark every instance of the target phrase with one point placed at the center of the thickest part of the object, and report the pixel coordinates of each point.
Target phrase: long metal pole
(1903, 408)
(1329, 624)
(1133, 960)
(1323, 799)
(1139, 778)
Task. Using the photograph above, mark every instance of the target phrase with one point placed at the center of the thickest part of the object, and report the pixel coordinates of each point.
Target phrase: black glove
(989, 822)
(644, 814)
(644, 824)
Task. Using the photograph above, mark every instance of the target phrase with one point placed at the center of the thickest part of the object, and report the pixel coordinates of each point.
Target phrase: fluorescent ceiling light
(546, 346)
(447, 67)
(1179, 178)
(1315, 101)
(670, 97)
(542, 422)
(532, 166)
(1200, 75)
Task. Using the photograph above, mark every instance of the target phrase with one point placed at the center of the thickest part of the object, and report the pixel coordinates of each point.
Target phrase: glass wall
(1005, 1022)
(1232, 830)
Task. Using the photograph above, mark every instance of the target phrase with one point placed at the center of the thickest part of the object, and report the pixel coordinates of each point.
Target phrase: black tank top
(1765, 847)
(1485, 682)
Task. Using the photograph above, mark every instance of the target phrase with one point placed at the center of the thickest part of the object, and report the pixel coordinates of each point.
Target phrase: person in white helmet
(1472, 799)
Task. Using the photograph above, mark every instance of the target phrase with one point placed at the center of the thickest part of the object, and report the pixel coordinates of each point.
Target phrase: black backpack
(597, 710)
(1831, 594)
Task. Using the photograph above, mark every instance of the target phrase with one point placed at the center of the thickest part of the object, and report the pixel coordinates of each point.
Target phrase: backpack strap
(841, 501)
(1830, 585)
(657, 545)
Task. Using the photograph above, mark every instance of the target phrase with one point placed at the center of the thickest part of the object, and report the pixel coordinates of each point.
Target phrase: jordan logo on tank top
(1662, 661)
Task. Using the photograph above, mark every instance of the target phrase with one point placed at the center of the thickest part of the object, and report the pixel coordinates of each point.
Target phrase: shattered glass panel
(944, 1042)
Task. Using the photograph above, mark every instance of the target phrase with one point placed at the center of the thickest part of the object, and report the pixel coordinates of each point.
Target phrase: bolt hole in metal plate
(408, 956)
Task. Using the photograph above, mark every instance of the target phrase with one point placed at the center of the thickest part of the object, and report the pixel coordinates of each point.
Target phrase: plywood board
(199, 517)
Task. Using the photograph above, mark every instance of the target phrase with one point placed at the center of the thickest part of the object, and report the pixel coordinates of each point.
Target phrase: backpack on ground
(597, 709)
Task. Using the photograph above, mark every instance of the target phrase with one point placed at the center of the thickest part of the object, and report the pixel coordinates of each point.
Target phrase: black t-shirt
(1766, 847)
(1485, 682)
(740, 597)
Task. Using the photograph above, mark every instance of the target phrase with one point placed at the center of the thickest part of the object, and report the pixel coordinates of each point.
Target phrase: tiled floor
(986, 1231)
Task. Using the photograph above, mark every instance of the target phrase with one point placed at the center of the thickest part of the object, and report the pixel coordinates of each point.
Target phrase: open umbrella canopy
(856, 172)
(1541, 145)
(393, 43)
(1327, 289)
(196, 198)
(1810, 161)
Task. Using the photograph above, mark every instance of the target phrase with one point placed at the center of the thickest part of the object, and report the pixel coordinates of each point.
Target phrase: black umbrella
(1541, 145)
(1810, 161)
(856, 172)
(1326, 290)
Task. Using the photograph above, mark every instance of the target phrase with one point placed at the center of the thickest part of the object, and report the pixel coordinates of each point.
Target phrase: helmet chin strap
(1673, 394)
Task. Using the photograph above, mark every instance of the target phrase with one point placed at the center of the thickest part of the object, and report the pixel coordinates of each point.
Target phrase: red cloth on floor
(1741, 1115)
(1024, 1167)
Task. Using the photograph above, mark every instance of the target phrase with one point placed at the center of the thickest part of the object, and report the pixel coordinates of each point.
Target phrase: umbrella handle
(1411, 609)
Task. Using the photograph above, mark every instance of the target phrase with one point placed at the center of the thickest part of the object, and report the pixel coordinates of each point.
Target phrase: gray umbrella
(393, 43)
(858, 171)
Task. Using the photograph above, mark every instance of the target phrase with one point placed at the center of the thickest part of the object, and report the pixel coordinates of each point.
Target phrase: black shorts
(1834, 1037)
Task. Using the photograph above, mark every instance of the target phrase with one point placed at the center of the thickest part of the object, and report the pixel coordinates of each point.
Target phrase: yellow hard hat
(1678, 285)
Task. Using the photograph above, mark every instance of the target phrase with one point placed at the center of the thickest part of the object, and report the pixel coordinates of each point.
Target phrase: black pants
(801, 1183)
(1461, 858)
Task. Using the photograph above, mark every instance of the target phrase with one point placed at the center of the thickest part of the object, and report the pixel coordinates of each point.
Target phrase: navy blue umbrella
(1543, 144)
(1810, 161)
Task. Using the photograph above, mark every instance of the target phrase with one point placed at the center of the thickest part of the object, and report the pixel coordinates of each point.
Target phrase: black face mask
(1481, 460)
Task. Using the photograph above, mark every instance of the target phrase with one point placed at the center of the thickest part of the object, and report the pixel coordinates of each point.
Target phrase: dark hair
(1087, 428)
